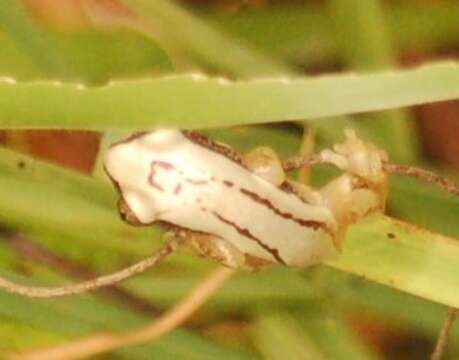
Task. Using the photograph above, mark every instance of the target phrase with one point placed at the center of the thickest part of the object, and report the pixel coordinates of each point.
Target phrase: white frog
(242, 211)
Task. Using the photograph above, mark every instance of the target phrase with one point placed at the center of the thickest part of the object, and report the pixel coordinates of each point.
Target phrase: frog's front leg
(363, 188)
(265, 163)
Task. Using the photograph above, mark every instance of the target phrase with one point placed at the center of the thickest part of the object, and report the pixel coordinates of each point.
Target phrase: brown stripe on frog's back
(231, 154)
(287, 187)
(222, 149)
(247, 234)
(268, 204)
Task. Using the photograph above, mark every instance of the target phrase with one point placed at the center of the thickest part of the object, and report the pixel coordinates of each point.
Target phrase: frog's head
(144, 184)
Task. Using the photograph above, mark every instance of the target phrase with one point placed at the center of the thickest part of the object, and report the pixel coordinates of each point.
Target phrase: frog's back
(191, 185)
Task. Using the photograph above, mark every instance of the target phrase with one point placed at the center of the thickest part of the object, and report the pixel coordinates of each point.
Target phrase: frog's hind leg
(220, 250)
(214, 247)
(362, 189)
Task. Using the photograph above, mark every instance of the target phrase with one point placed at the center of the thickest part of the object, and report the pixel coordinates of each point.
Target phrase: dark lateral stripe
(302, 222)
(246, 233)
(204, 141)
(228, 183)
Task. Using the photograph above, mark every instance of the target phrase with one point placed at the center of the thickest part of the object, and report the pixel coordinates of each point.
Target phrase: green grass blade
(304, 34)
(294, 34)
(403, 257)
(82, 315)
(30, 38)
(242, 294)
(96, 57)
(347, 294)
(16, 334)
(361, 34)
(277, 336)
(192, 101)
(364, 41)
(306, 333)
(424, 205)
(204, 42)
(15, 62)
(336, 338)
(426, 26)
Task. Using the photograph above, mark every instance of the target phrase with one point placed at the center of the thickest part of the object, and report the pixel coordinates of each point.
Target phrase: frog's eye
(126, 213)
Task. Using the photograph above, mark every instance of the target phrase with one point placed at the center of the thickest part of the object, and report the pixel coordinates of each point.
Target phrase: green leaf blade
(195, 101)
(403, 257)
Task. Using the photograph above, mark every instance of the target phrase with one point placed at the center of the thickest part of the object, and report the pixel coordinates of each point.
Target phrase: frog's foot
(358, 158)
(176, 236)
(362, 189)
(223, 252)
(265, 163)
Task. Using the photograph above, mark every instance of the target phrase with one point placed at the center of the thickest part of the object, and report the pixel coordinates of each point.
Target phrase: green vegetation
(125, 74)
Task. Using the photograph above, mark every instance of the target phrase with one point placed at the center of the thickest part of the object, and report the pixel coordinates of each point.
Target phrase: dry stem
(29, 250)
(45, 292)
(103, 342)
(297, 162)
(425, 175)
(442, 340)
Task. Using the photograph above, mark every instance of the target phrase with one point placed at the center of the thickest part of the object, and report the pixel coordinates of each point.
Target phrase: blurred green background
(58, 220)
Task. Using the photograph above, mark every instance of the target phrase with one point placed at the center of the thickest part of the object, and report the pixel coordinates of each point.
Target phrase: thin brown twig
(29, 250)
(425, 175)
(45, 292)
(297, 162)
(104, 342)
(442, 340)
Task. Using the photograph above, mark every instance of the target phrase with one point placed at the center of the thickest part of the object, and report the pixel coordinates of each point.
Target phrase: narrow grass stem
(104, 342)
(446, 184)
(46, 292)
(442, 340)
